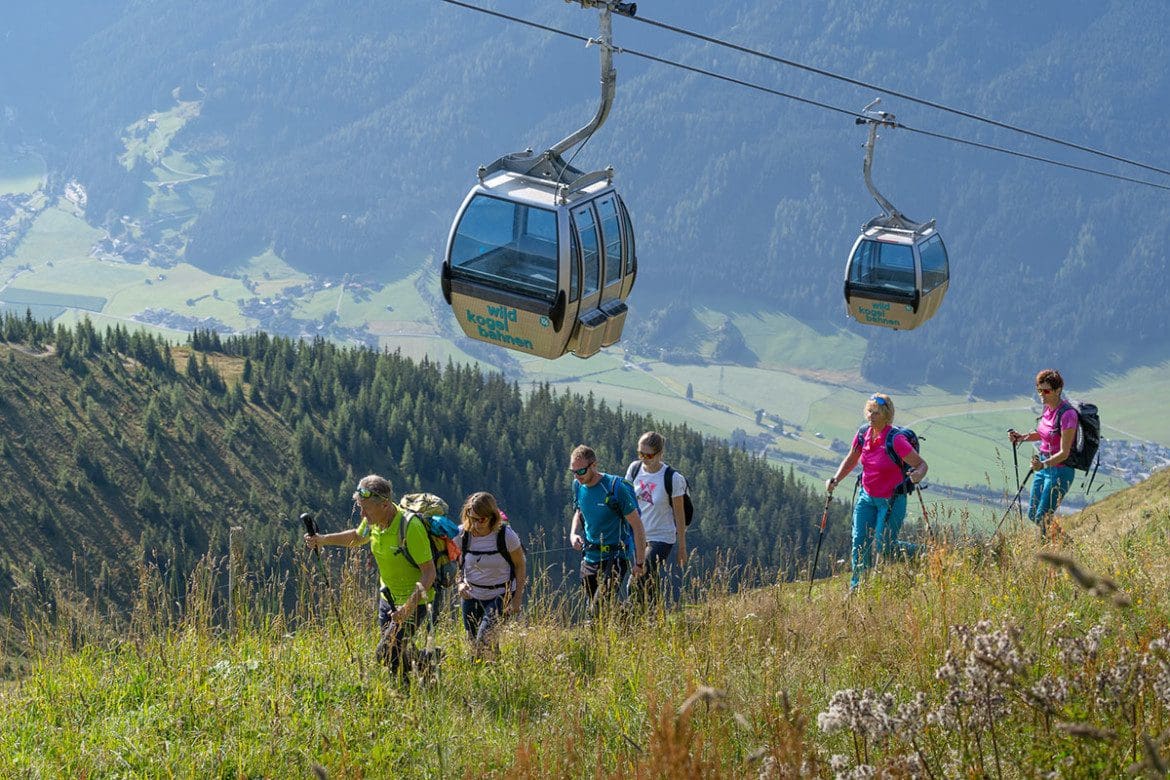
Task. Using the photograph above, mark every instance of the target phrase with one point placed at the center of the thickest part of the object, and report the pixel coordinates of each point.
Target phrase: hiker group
(628, 529)
(1067, 438)
(631, 530)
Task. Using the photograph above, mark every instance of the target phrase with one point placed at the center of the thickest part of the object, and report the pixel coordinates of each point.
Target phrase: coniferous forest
(121, 451)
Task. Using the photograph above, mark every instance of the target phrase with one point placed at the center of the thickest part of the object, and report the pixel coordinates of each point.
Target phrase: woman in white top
(661, 507)
(492, 572)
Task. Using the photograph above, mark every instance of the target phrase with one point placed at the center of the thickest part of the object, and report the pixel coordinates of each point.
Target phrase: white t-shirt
(484, 565)
(657, 511)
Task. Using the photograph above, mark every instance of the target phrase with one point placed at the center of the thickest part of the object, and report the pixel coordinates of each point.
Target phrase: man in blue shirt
(606, 527)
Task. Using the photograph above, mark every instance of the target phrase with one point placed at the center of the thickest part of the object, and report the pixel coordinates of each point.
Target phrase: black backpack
(894, 430)
(501, 550)
(668, 483)
(891, 432)
(1088, 440)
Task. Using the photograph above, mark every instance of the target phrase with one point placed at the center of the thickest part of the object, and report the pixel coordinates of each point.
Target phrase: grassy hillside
(1009, 659)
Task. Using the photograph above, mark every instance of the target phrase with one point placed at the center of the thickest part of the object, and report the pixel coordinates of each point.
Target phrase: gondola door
(591, 321)
(613, 264)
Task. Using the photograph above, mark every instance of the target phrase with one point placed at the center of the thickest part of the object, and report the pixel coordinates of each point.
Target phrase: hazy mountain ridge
(352, 137)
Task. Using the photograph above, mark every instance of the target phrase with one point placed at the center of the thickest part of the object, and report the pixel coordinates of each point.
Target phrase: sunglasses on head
(582, 471)
(877, 399)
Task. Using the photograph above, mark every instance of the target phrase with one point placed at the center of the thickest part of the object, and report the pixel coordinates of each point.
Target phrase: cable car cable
(1027, 156)
(896, 93)
(827, 106)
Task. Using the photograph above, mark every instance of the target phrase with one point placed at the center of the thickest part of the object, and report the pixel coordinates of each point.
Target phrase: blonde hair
(481, 504)
(653, 440)
(884, 404)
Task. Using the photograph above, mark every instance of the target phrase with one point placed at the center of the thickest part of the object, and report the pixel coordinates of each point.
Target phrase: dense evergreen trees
(148, 463)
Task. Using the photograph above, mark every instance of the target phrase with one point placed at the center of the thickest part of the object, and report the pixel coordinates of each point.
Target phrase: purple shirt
(1049, 433)
(879, 474)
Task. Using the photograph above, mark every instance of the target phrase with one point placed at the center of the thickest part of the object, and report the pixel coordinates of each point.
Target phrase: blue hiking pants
(880, 519)
(1049, 486)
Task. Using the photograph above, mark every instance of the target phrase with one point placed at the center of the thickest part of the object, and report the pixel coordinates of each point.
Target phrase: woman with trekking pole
(1056, 431)
(492, 572)
(880, 508)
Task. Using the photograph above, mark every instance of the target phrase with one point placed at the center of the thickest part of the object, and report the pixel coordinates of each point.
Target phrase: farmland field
(806, 376)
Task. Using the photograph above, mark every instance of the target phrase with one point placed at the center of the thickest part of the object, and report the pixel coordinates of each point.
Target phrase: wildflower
(1076, 652)
(1050, 691)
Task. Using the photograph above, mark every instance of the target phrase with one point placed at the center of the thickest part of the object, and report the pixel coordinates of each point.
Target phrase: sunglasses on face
(1043, 390)
(646, 455)
(364, 493)
(581, 472)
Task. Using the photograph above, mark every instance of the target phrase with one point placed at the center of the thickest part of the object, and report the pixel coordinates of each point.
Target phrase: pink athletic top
(1049, 433)
(879, 474)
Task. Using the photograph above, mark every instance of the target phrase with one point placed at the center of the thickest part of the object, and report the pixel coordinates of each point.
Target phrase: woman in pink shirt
(881, 502)
(1056, 430)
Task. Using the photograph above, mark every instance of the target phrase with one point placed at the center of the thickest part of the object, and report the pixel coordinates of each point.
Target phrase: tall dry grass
(1009, 657)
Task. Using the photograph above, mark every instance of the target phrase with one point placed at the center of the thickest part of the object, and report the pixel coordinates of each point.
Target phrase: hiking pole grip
(310, 529)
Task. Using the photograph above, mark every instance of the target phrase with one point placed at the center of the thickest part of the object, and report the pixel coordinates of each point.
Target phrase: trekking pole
(1014, 500)
(820, 538)
(925, 519)
(311, 529)
(1016, 463)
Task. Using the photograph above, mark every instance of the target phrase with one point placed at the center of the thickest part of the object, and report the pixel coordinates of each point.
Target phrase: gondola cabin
(896, 277)
(539, 266)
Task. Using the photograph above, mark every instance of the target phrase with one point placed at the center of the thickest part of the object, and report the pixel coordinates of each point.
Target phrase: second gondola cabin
(541, 258)
(896, 276)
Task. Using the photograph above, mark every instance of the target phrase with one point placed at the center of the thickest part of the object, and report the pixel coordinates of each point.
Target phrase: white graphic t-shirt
(657, 512)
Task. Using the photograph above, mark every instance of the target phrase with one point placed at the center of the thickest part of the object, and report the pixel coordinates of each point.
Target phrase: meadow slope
(996, 658)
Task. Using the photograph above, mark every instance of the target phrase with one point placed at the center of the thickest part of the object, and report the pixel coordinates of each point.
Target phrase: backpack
(501, 550)
(891, 432)
(1088, 439)
(441, 530)
(668, 483)
(894, 430)
(624, 530)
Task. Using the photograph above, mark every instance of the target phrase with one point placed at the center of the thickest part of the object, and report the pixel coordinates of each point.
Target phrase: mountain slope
(347, 140)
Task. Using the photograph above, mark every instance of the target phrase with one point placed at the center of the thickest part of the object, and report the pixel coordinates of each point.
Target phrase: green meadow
(997, 658)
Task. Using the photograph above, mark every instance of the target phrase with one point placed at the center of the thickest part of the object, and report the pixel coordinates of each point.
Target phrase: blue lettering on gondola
(878, 314)
(494, 326)
(502, 312)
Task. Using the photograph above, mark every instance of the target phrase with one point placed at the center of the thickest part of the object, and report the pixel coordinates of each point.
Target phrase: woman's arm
(843, 470)
(918, 467)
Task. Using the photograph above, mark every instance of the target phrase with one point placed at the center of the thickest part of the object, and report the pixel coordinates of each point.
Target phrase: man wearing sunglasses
(405, 588)
(606, 527)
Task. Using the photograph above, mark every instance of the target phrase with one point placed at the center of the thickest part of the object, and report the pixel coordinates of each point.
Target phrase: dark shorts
(610, 567)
